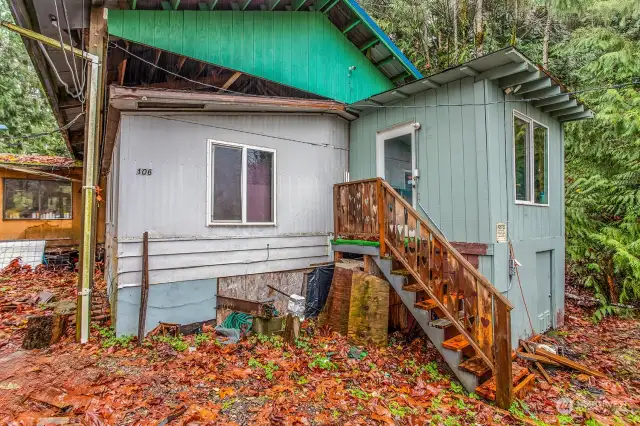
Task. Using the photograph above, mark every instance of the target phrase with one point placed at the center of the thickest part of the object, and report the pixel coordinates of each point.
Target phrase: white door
(396, 159)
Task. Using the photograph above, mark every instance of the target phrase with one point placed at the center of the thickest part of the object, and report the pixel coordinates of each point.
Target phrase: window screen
(521, 140)
(37, 199)
(259, 186)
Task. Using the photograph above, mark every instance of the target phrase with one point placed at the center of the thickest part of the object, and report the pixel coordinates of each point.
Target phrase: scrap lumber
(533, 357)
(335, 313)
(292, 329)
(537, 363)
(568, 363)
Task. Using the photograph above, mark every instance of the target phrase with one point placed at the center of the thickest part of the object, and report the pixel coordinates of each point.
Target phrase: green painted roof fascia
(341, 241)
(297, 49)
(384, 38)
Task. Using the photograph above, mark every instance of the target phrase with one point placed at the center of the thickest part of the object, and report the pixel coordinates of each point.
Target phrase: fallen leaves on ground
(261, 381)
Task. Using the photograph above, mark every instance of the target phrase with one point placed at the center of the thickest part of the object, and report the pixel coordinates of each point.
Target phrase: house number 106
(144, 172)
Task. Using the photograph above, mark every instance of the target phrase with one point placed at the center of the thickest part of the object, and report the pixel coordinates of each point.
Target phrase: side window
(531, 160)
(241, 184)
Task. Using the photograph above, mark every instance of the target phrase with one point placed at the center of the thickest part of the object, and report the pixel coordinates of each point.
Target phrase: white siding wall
(171, 203)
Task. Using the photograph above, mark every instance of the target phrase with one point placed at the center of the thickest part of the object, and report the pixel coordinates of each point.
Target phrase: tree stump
(43, 331)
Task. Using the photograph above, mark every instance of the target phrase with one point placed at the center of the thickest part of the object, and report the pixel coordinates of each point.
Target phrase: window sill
(36, 219)
(214, 224)
(528, 203)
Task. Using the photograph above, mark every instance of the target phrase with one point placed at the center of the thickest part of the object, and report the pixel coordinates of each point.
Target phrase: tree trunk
(514, 36)
(426, 41)
(611, 283)
(545, 43)
(454, 7)
(478, 25)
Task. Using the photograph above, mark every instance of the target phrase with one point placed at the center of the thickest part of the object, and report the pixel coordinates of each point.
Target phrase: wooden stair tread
(403, 272)
(414, 288)
(487, 390)
(444, 322)
(457, 343)
(429, 304)
(475, 366)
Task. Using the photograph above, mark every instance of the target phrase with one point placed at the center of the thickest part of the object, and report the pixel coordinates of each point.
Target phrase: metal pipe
(89, 179)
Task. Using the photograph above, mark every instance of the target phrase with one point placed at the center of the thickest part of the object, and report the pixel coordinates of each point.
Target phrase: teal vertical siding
(532, 229)
(298, 49)
(465, 157)
(453, 174)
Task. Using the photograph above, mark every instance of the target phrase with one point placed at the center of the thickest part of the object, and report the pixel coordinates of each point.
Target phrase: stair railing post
(502, 354)
(381, 211)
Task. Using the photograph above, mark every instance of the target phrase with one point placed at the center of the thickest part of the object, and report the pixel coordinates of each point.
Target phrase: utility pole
(89, 182)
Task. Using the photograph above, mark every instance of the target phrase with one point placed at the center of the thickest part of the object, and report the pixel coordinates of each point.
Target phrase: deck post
(502, 354)
(381, 210)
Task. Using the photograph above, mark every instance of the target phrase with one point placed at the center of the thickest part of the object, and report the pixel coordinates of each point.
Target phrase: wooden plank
(230, 81)
(475, 366)
(144, 288)
(524, 386)
(457, 343)
(533, 357)
(536, 363)
(567, 362)
(478, 249)
(502, 355)
(336, 212)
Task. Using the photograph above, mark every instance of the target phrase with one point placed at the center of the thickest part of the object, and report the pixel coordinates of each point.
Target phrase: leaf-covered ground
(260, 381)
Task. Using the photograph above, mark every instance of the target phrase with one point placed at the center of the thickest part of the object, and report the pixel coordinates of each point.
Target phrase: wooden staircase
(465, 317)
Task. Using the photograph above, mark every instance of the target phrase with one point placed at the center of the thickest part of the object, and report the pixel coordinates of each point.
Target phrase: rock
(65, 307)
(45, 296)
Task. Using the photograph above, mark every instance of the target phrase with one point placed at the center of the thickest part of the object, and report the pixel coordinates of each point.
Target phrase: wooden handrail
(371, 209)
(460, 258)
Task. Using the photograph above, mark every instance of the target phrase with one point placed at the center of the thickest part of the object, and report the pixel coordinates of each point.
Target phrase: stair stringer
(423, 317)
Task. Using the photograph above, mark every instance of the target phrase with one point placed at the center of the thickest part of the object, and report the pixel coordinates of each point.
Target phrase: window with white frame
(531, 160)
(241, 184)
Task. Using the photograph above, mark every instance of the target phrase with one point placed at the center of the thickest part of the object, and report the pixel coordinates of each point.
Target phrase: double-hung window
(531, 160)
(241, 184)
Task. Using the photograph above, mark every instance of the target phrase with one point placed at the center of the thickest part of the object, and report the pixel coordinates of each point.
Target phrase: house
(245, 136)
(40, 198)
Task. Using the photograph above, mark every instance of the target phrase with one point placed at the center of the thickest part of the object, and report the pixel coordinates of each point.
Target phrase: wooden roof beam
(568, 111)
(244, 4)
(170, 4)
(520, 78)
(333, 3)
(431, 84)
(369, 44)
(320, 4)
(297, 4)
(400, 76)
(543, 93)
(384, 61)
(207, 5)
(132, 4)
(272, 4)
(400, 94)
(503, 71)
(155, 67)
(352, 26)
(532, 86)
(578, 116)
(550, 101)
(230, 81)
(469, 71)
(561, 105)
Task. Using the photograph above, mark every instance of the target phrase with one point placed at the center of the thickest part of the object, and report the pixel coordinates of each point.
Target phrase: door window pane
(540, 164)
(521, 139)
(37, 199)
(227, 183)
(259, 186)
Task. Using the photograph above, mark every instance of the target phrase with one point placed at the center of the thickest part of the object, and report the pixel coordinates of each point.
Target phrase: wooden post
(144, 287)
(291, 329)
(336, 209)
(502, 354)
(381, 212)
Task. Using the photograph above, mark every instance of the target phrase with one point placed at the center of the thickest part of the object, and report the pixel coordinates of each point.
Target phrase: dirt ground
(197, 380)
